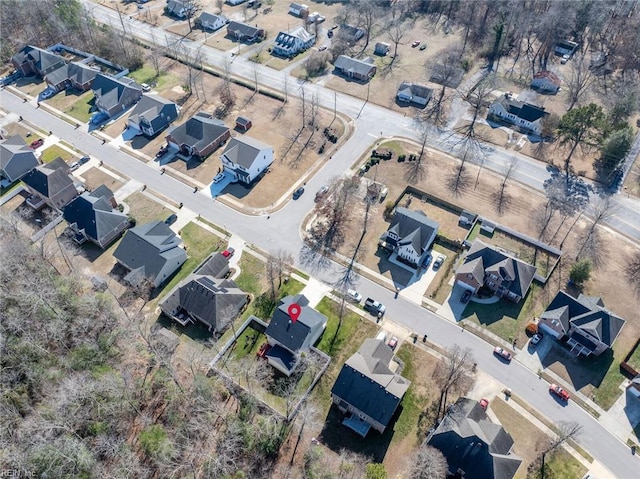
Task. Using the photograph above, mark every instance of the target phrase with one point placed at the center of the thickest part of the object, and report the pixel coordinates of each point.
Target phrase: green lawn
(634, 360)
(474, 231)
(252, 270)
(12, 186)
(147, 74)
(53, 152)
(81, 109)
(563, 465)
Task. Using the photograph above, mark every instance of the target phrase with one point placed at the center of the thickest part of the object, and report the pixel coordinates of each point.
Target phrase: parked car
(48, 93)
(145, 87)
(423, 46)
(219, 177)
(484, 404)
(98, 118)
(393, 343)
(438, 262)
(415, 44)
(466, 295)
(228, 253)
(11, 77)
(36, 143)
(322, 48)
(426, 261)
(536, 339)
(298, 193)
(354, 296)
(374, 307)
(321, 192)
(74, 166)
(171, 219)
(162, 151)
(330, 33)
(502, 353)
(83, 160)
(558, 391)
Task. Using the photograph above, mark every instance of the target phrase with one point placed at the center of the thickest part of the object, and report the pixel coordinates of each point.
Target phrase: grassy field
(252, 271)
(147, 74)
(53, 152)
(81, 109)
(145, 209)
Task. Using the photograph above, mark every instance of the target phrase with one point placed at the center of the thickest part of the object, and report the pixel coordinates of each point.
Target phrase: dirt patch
(145, 209)
(21, 129)
(95, 177)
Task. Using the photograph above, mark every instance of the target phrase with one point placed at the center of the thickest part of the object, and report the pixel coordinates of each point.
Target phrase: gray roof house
(363, 70)
(381, 48)
(216, 266)
(199, 136)
(152, 114)
(583, 323)
(414, 93)
(506, 276)
(114, 95)
(91, 217)
(36, 61)
(51, 183)
(151, 251)
(474, 446)
(351, 33)
(16, 159)
(209, 21)
(179, 8)
(410, 235)
(72, 75)
(246, 159)
(290, 44)
(367, 390)
(213, 302)
(244, 32)
(289, 338)
(523, 116)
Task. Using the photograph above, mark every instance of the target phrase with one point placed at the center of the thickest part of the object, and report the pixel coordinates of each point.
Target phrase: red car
(393, 343)
(228, 253)
(502, 353)
(558, 391)
(484, 404)
(37, 143)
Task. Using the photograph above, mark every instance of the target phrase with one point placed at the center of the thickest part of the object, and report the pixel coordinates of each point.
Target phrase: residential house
(152, 114)
(209, 21)
(150, 252)
(199, 136)
(72, 75)
(410, 235)
(243, 123)
(290, 44)
(524, 116)
(235, 2)
(244, 32)
(414, 93)
(381, 49)
(216, 266)
(91, 216)
(16, 159)
(565, 47)
(583, 323)
(496, 270)
(180, 8)
(114, 95)
(50, 183)
(546, 82)
(290, 338)
(351, 33)
(362, 70)
(366, 390)
(299, 10)
(246, 159)
(213, 302)
(36, 61)
(473, 445)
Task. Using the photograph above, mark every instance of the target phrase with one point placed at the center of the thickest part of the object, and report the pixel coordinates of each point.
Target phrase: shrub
(580, 272)
(401, 158)
(531, 329)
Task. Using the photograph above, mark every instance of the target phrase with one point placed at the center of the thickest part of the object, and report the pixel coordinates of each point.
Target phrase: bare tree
(632, 272)
(453, 375)
(445, 69)
(602, 211)
(458, 180)
(428, 463)
(397, 31)
(578, 80)
(501, 197)
(566, 431)
(415, 170)
(277, 265)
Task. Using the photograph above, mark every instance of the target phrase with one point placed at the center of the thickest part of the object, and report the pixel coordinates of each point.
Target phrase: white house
(212, 22)
(298, 9)
(246, 159)
(414, 93)
(546, 82)
(523, 116)
(290, 44)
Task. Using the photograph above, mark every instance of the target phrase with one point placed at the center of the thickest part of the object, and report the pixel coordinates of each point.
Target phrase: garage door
(465, 286)
(548, 330)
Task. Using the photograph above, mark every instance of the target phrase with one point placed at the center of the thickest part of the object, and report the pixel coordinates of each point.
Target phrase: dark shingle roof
(92, 212)
(413, 227)
(472, 443)
(199, 131)
(366, 382)
(243, 29)
(158, 111)
(215, 265)
(415, 90)
(45, 61)
(244, 151)
(50, 178)
(77, 72)
(111, 91)
(347, 64)
(300, 334)
(526, 111)
(16, 158)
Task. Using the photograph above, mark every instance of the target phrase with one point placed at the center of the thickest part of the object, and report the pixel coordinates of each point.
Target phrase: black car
(83, 160)
(298, 193)
(171, 219)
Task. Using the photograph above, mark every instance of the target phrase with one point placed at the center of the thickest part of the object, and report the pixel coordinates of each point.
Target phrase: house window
(469, 276)
(491, 284)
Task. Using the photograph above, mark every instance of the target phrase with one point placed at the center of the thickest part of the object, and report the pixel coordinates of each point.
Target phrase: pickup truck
(374, 307)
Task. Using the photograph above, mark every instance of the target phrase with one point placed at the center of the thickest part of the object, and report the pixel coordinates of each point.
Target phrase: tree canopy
(581, 126)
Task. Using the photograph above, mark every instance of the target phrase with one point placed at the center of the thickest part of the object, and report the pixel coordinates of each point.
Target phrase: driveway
(453, 307)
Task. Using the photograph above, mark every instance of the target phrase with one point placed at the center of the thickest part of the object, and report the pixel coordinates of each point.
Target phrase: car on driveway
(438, 262)
(426, 261)
(353, 295)
(74, 166)
(466, 295)
(36, 143)
(98, 118)
(298, 193)
(162, 151)
(536, 339)
(393, 343)
(228, 253)
(502, 353)
(484, 404)
(219, 177)
(83, 160)
(47, 94)
(145, 87)
(322, 48)
(171, 219)
(558, 391)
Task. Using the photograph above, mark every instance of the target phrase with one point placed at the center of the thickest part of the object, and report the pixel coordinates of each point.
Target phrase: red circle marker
(294, 311)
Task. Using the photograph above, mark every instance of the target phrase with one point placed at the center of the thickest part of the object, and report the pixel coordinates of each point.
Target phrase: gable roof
(206, 17)
(199, 131)
(146, 249)
(43, 60)
(412, 227)
(50, 178)
(74, 71)
(158, 111)
(348, 64)
(549, 75)
(526, 111)
(517, 275)
(294, 335)
(243, 29)
(215, 265)
(366, 382)
(285, 39)
(244, 151)
(16, 158)
(586, 313)
(111, 91)
(204, 298)
(92, 212)
(413, 89)
(471, 442)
